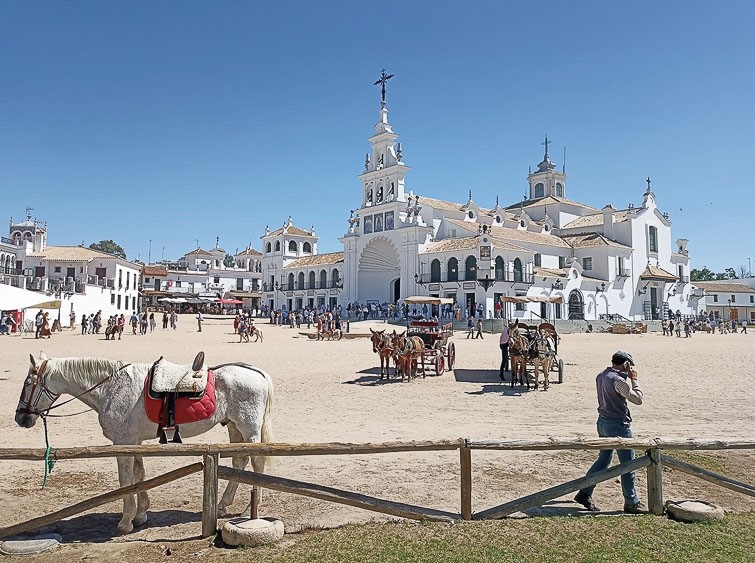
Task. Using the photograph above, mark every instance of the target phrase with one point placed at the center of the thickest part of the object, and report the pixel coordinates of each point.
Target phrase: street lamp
(601, 289)
(729, 315)
(557, 285)
(418, 280)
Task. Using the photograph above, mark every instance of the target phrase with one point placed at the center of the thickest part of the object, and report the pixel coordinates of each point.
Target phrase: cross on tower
(648, 181)
(382, 80)
(546, 143)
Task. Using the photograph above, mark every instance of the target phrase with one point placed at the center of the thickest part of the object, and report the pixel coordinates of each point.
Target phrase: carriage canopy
(424, 299)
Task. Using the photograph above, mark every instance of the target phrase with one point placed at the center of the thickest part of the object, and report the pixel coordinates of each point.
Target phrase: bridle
(40, 379)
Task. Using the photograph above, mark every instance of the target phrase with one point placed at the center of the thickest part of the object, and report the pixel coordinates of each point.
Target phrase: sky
(177, 122)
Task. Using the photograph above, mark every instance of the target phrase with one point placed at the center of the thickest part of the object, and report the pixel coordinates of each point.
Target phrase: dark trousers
(504, 357)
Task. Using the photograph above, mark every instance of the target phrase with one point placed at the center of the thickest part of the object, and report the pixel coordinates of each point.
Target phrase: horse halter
(39, 378)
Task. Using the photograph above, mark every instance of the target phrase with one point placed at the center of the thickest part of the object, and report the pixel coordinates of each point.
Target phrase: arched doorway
(576, 305)
(378, 269)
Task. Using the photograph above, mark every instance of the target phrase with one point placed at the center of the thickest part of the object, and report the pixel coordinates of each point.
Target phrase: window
(290, 281)
(277, 246)
(681, 272)
(522, 223)
(497, 218)
(57, 269)
(538, 259)
(335, 276)
(453, 269)
(112, 298)
(119, 302)
(539, 190)
(323, 279)
(733, 298)
(715, 298)
(518, 274)
(312, 280)
(268, 247)
(653, 239)
(587, 263)
(127, 303)
(500, 268)
(562, 261)
(470, 268)
(240, 284)
(470, 214)
(216, 279)
(178, 283)
(520, 306)
(292, 246)
(559, 189)
(435, 271)
(307, 247)
(752, 300)
(300, 281)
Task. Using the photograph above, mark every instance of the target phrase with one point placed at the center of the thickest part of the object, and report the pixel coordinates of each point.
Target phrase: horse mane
(84, 371)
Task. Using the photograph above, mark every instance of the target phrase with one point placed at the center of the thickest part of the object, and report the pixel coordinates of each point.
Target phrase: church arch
(323, 279)
(277, 246)
(268, 248)
(539, 190)
(559, 189)
(378, 268)
(300, 281)
(453, 269)
(290, 280)
(312, 279)
(470, 268)
(435, 271)
(292, 247)
(306, 247)
(335, 277)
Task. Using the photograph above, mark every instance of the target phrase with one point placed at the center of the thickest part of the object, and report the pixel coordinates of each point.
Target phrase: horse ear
(42, 355)
(372, 331)
(33, 363)
(198, 362)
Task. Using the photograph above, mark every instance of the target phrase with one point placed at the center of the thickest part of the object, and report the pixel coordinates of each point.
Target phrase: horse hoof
(125, 528)
(140, 519)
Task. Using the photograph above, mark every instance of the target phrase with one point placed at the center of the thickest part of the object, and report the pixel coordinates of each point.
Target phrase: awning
(423, 299)
(230, 301)
(655, 273)
(533, 299)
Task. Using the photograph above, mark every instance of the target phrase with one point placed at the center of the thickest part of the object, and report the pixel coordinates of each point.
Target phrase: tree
(703, 274)
(229, 261)
(109, 247)
(743, 272)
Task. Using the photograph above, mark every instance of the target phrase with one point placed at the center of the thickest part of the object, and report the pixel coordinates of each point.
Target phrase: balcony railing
(499, 276)
(11, 271)
(333, 284)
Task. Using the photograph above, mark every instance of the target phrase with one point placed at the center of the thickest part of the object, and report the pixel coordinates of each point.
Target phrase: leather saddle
(167, 382)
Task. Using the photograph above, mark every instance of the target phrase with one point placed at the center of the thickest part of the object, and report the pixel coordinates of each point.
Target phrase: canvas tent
(12, 298)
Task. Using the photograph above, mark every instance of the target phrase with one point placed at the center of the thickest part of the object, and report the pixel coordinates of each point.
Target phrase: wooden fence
(653, 459)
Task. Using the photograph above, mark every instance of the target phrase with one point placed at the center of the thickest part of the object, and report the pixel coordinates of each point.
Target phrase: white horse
(115, 390)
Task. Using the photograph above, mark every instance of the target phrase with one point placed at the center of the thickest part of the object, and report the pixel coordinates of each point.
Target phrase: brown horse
(519, 349)
(383, 347)
(407, 350)
(544, 352)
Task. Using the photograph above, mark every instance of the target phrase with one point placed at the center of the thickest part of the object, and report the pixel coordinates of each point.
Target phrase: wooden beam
(331, 494)
(254, 506)
(210, 495)
(99, 500)
(465, 462)
(655, 482)
(226, 450)
(538, 499)
(716, 478)
(572, 443)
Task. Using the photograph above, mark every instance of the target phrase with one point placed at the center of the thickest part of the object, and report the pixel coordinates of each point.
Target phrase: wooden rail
(652, 458)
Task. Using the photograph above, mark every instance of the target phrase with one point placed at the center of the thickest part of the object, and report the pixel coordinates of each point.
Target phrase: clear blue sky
(174, 121)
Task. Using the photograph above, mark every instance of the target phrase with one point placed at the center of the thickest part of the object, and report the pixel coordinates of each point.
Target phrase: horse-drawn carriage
(437, 351)
(536, 346)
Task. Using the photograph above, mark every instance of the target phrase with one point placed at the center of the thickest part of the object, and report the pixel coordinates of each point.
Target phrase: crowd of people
(689, 326)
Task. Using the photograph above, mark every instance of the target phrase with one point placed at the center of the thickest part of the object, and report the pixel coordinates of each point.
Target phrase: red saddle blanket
(186, 409)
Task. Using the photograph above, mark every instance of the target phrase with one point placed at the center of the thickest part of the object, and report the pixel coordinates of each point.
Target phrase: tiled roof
(447, 205)
(724, 287)
(508, 234)
(657, 273)
(596, 219)
(292, 230)
(154, 271)
(467, 243)
(549, 200)
(330, 258)
(70, 254)
(249, 252)
(198, 252)
(591, 240)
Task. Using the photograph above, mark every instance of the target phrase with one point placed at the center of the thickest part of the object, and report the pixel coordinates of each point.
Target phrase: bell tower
(546, 180)
(384, 169)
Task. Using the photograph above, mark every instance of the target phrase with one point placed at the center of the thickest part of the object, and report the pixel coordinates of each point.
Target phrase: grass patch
(587, 539)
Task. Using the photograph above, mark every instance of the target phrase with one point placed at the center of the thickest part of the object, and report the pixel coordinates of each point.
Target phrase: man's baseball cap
(622, 357)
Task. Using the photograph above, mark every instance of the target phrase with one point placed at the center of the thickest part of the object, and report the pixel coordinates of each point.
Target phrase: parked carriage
(558, 363)
(438, 351)
(529, 332)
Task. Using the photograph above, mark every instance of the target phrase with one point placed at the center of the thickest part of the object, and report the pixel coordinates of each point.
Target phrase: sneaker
(586, 501)
(638, 508)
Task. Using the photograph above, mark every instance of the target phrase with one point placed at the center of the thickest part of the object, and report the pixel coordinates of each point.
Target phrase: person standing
(173, 319)
(152, 322)
(165, 320)
(503, 342)
(615, 386)
(38, 319)
(478, 334)
(84, 324)
(72, 320)
(470, 328)
(200, 318)
(134, 322)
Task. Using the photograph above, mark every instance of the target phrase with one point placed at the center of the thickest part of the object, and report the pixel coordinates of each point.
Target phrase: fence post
(465, 459)
(254, 507)
(210, 495)
(655, 482)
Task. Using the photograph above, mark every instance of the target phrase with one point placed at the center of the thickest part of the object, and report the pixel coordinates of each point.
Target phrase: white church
(544, 257)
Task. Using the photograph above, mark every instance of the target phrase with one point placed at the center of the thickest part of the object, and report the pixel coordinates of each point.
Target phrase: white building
(727, 300)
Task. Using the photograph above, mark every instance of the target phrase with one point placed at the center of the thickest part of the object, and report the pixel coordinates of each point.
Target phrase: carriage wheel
(561, 371)
(440, 364)
(451, 356)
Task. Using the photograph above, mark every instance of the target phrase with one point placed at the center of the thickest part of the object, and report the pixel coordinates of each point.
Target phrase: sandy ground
(329, 391)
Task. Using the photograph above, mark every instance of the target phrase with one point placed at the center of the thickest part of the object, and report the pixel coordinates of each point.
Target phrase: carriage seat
(185, 380)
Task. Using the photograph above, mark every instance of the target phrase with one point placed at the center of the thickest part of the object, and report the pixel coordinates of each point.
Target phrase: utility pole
(149, 256)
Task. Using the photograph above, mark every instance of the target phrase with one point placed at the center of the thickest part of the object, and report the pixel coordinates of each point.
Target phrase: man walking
(200, 318)
(504, 344)
(615, 386)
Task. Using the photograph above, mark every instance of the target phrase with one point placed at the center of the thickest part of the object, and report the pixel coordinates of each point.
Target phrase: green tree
(703, 274)
(229, 261)
(109, 247)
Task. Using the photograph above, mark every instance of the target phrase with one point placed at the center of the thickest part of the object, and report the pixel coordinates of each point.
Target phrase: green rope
(49, 463)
